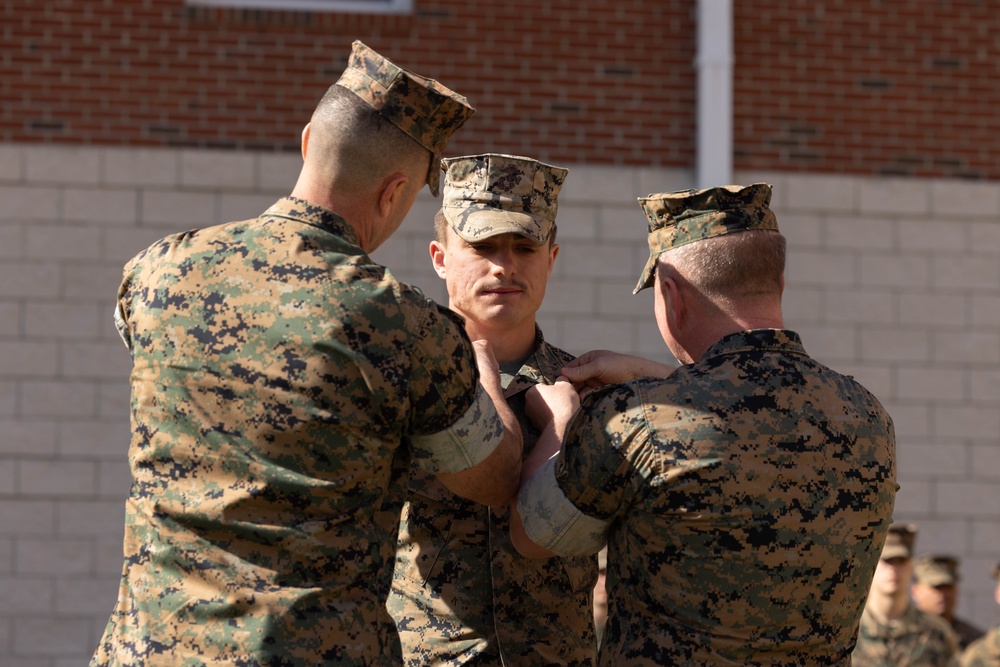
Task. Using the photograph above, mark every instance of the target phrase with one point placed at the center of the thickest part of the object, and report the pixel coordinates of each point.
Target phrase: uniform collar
(300, 210)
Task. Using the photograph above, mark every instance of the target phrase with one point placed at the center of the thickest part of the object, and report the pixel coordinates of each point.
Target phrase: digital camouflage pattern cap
(490, 194)
(899, 541)
(936, 570)
(425, 110)
(686, 216)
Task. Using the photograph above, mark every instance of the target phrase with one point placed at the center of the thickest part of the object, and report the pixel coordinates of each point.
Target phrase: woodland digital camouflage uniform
(915, 640)
(461, 593)
(941, 570)
(744, 501)
(984, 652)
(281, 383)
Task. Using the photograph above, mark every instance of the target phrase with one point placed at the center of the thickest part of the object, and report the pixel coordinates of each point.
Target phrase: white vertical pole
(714, 64)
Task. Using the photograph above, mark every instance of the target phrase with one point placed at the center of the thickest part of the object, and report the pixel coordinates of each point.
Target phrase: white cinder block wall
(896, 281)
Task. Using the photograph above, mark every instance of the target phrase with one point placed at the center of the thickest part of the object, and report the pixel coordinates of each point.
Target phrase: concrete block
(181, 210)
(113, 479)
(972, 347)
(860, 233)
(914, 497)
(930, 383)
(579, 222)
(589, 333)
(10, 319)
(83, 596)
(60, 243)
(932, 236)
(885, 270)
(20, 518)
(27, 595)
(29, 280)
(803, 304)
(23, 436)
(92, 519)
(55, 479)
(965, 498)
(828, 269)
(570, 297)
(931, 460)
(12, 169)
(862, 306)
(141, 166)
(986, 538)
(90, 439)
(936, 310)
(984, 385)
(984, 238)
(802, 231)
(966, 273)
(113, 398)
(23, 359)
(94, 360)
(277, 172)
(615, 186)
(985, 310)
(20, 203)
(44, 320)
(96, 282)
(58, 399)
(616, 261)
(103, 207)
(966, 421)
(911, 419)
(650, 180)
(985, 458)
(894, 196)
(964, 198)
(62, 164)
(12, 241)
(888, 344)
(827, 193)
(204, 169)
(53, 636)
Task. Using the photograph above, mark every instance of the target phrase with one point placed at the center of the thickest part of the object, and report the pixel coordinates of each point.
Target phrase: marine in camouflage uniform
(935, 592)
(744, 498)
(461, 594)
(893, 632)
(281, 383)
(985, 651)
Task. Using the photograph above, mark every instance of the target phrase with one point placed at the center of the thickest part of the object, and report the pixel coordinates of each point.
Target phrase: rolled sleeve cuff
(464, 444)
(553, 522)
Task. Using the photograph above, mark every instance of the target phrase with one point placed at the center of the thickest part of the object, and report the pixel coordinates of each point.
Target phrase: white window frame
(355, 6)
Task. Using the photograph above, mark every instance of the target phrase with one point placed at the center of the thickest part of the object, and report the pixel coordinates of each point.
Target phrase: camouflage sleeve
(456, 425)
(122, 309)
(568, 505)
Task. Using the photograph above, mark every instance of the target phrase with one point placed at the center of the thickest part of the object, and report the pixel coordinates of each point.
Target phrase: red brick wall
(844, 86)
(907, 87)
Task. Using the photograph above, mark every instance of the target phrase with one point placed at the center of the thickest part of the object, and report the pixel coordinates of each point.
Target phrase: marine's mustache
(501, 284)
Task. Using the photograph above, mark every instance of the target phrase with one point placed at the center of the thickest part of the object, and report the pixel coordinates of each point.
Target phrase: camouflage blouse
(281, 381)
(916, 640)
(461, 594)
(744, 501)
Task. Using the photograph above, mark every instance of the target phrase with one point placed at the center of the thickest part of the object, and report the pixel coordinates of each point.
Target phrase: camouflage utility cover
(984, 652)
(678, 218)
(490, 194)
(461, 594)
(428, 112)
(744, 501)
(916, 640)
(278, 374)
